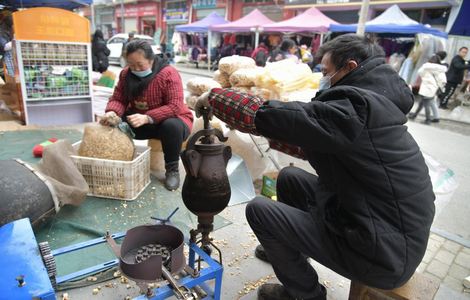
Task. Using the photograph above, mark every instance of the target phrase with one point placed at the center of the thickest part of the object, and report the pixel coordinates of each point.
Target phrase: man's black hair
(349, 47)
(142, 45)
(463, 48)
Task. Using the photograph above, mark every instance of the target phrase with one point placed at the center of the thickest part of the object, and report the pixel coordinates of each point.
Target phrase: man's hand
(137, 120)
(203, 105)
(110, 119)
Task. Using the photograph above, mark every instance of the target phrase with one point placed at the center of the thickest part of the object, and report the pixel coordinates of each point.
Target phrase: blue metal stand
(23, 274)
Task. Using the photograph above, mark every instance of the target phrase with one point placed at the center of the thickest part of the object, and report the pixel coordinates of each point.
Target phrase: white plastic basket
(115, 179)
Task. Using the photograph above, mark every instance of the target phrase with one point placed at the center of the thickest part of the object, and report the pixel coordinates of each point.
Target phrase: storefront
(202, 8)
(104, 20)
(175, 13)
(274, 12)
(142, 17)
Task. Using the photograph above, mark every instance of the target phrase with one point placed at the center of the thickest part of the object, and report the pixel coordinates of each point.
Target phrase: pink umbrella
(311, 20)
(251, 22)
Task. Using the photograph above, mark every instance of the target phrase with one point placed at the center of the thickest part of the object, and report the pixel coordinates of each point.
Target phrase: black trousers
(171, 132)
(449, 91)
(289, 233)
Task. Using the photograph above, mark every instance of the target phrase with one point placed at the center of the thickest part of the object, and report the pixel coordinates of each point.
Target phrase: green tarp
(95, 216)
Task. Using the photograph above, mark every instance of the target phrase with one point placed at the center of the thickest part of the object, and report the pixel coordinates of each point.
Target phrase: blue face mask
(142, 74)
(325, 82)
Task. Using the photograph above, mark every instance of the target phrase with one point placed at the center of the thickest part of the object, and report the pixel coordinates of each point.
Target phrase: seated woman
(149, 96)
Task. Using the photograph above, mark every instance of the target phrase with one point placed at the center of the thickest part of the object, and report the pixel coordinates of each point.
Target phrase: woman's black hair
(349, 47)
(442, 54)
(287, 44)
(435, 59)
(98, 34)
(140, 45)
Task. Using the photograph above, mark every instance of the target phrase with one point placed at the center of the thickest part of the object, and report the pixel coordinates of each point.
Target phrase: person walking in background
(454, 76)
(260, 55)
(306, 56)
(6, 35)
(433, 79)
(129, 39)
(442, 56)
(285, 51)
(99, 52)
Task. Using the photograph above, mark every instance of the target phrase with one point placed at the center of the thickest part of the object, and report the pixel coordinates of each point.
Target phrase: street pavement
(448, 253)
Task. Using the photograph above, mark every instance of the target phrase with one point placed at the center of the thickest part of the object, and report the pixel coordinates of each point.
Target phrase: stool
(157, 161)
(419, 287)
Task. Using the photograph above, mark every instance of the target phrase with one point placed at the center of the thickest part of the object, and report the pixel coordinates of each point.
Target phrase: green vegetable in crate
(30, 75)
(78, 74)
(56, 81)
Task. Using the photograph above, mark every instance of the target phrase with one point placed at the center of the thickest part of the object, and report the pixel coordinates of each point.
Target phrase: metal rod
(123, 29)
(87, 271)
(361, 25)
(86, 244)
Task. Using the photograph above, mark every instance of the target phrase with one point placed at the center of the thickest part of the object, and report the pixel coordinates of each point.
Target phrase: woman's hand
(137, 120)
(110, 119)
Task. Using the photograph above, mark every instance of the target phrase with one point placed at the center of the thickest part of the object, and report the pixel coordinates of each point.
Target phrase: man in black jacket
(368, 212)
(454, 76)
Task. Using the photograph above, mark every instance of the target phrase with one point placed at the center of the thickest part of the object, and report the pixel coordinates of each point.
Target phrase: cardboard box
(269, 184)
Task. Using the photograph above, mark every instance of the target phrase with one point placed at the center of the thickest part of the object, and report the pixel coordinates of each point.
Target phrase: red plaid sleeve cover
(238, 110)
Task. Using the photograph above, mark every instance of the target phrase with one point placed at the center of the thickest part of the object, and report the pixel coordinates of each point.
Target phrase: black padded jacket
(375, 196)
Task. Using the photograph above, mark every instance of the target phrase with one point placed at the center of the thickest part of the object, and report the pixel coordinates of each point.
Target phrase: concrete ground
(447, 258)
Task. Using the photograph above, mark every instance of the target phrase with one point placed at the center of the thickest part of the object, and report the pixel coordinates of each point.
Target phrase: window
(176, 5)
(117, 40)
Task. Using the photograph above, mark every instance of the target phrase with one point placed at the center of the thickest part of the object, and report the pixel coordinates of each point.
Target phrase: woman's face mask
(143, 73)
(139, 65)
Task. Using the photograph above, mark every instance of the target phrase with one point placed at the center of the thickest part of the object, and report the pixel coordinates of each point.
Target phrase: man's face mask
(325, 81)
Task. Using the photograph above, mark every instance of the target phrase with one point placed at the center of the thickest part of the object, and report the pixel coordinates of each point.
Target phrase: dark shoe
(273, 291)
(443, 106)
(427, 121)
(261, 254)
(276, 291)
(412, 116)
(172, 176)
(435, 120)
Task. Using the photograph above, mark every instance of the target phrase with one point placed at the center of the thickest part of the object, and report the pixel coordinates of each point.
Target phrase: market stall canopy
(461, 24)
(202, 25)
(70, 4)
(392, 20)
(251, 22)
(311, 20)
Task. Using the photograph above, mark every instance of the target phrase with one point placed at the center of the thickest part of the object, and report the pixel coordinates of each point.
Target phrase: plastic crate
(115, 179)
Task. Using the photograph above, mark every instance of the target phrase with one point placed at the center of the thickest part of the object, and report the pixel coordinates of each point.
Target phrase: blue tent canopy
(64, 4)
(461, 24)
(202, 25)
(392, 20)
